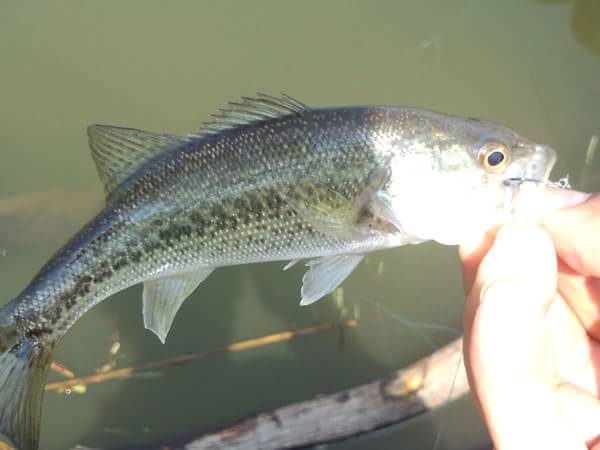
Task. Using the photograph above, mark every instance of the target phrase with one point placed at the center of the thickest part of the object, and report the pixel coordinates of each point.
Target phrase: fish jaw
(524, 199)
(542, 163)
(537, 166)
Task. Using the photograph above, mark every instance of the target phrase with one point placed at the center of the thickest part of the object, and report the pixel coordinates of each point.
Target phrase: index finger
(576, 235)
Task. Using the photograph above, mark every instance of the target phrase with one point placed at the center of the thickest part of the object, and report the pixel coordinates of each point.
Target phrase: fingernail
(564, 198)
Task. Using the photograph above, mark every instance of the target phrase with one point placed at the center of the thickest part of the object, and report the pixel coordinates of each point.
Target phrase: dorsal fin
(118, 152)
(252, 110)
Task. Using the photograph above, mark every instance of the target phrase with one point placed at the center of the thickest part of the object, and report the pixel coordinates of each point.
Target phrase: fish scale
(268, 230)
(269, 179)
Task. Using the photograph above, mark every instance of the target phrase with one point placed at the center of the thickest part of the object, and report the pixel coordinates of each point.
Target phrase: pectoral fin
(163, 297)
(325, 274)
(351, 216)
(382, 207)
(327, 211)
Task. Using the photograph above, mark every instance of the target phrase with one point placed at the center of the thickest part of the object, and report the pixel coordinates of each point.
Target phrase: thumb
(514, 285)
(507, 349)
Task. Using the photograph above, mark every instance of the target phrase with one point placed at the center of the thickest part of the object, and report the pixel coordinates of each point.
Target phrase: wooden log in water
(404, 394)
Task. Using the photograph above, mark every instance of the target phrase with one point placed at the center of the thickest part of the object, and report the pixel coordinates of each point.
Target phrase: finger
(576, 355)
(510, 258)
(581, 410)
(556, 198)
(575, 235)
(471, 254)
(507, 340)
(523, 256)
(515, 255)
(582, 294)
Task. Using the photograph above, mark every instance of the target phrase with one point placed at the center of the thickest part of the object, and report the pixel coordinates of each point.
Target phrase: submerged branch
(404, 394)
(184, 358)
(61, 369)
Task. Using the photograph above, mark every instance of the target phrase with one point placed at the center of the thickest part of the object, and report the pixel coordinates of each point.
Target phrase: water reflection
(67, 71)
(586, 24)
(585, 21)
(32, 219)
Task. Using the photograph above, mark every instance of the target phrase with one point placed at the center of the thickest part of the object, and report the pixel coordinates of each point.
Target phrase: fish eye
(494, 157)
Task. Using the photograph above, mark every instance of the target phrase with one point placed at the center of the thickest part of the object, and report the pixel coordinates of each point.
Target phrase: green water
(532, 65)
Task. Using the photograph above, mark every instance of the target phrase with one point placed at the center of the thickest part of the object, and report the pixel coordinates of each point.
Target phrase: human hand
(532, 328)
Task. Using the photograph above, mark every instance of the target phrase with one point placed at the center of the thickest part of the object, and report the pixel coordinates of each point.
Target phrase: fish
(266, 179)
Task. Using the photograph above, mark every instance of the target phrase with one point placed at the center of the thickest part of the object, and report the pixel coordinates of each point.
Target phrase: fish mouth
(537, 169)
(524, 191)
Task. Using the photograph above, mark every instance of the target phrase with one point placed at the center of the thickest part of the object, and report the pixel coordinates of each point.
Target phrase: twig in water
(589, 157)
(184, 358)
(60, 368)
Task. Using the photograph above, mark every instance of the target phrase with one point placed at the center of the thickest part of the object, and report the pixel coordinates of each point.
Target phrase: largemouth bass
(269, 179)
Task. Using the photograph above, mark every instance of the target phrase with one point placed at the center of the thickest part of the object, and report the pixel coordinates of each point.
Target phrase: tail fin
(23, 368)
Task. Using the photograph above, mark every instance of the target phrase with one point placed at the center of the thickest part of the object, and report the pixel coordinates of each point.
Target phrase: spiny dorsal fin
(252, 110)
(118, 152)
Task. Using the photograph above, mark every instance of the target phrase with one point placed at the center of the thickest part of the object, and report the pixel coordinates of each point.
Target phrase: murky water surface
(533, 65)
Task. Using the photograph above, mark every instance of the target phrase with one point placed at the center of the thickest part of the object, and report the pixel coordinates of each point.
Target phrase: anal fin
(164, 297)
(325, 274)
